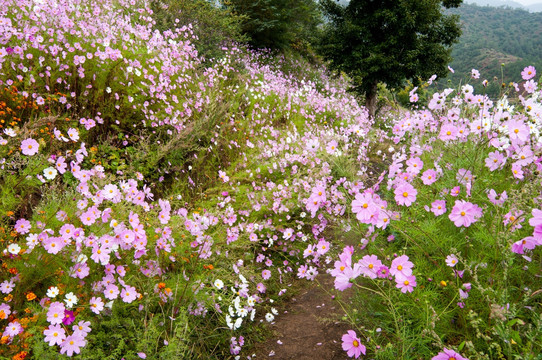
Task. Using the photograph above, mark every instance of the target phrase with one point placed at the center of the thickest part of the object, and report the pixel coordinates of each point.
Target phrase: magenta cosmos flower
(405, 194)
(448, 355)
(465, 213)
(352, 345)
(29, 147)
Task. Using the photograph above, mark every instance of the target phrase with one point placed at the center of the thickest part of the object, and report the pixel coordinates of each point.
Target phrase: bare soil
(309, 328)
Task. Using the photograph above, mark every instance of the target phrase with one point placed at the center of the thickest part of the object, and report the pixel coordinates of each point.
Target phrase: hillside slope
(494, 36)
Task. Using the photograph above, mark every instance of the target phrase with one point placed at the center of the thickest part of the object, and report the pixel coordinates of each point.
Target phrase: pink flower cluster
(371, 267)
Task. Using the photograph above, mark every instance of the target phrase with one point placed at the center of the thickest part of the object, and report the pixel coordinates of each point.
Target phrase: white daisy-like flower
(10, 132)
(269, 317)
(219, 284)
(52, 292)
(50, 173)
(14, 249)
(70, 299)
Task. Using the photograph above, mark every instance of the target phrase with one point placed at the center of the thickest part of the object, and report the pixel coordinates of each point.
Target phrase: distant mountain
(506, 3)
(535, 7)
(493, 36)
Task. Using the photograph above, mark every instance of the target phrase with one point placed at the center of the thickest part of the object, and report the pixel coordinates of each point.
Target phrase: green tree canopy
(278, 24)
(214, 25)
(388, 41)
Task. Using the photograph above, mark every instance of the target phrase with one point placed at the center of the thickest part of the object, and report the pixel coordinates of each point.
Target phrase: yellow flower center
(463, 213)
(406, 282)
(371, 266)
(399, 267)
(405, 194)
(355, 343)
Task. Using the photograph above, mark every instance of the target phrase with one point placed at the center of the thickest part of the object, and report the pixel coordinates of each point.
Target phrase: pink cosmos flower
(448, 132)
(414, 165)
(322, 247)
(369, 265)
(455, 191)
(352, 344)
(497, 199)
(405, 194)
(266, 274)
(448, 355)
(517, 130)
(96, 305)
(29, 147)
(429, 176)
(55, 314)
(13, 329)
(406, 284)
(82, 328)
(72, 344)
(261, 288)
(528, 73)
(465, 213)
(128, 294)
(438, 207)
(22, 226)
(331, 147)
(4, 311)
(451, 260)
(111, 292)
(7, 286)
(364, 207)
(401, 267)
(53, 244)
(495, 160)
(80, 270)
(475, 74)
(530, 86)
(342, 280)
(517, 171)
(54, 335)
(529, 243)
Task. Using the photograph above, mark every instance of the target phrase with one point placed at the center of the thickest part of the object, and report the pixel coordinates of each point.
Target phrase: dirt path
(309, 327)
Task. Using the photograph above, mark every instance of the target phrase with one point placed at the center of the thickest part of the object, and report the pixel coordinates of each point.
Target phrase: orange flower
(161, 285)
(30, 296)
(20, 356)
(2, 315)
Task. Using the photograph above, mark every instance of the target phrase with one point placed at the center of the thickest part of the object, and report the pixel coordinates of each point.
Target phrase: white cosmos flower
(219, 284)
(269, 317)
(50, 173)
(70, 299)
(14, 249)
(10, 132)
(52, 292)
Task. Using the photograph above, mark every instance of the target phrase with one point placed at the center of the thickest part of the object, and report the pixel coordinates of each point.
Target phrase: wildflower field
(155, 204)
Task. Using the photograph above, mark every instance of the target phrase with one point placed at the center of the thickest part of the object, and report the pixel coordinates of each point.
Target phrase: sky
(528, 2)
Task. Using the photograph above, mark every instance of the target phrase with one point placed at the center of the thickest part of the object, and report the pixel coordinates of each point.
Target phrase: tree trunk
(370, 99)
